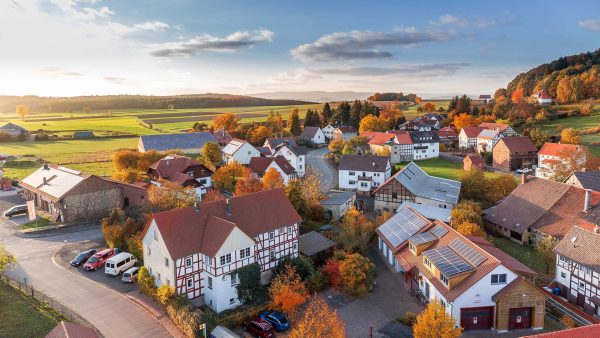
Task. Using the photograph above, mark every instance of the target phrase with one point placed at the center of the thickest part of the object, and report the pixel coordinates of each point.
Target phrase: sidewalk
(155, 311)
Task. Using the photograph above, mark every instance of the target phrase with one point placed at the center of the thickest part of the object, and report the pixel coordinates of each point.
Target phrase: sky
(157, 47)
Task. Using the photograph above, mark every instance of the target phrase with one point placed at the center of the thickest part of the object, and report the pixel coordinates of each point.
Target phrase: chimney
(197, 206)
(588, 198)
(373, 164)
(523, 178)
(45, 180)
(597, 229)
(228, 206)
(46, 166)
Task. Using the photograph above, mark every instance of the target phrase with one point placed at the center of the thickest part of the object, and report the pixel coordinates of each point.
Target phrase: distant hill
(316, 96)
(110, 102)
(582, 71)
(393, 97)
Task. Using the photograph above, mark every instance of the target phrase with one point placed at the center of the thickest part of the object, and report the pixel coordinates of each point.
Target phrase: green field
(22, 316)
(439, 167)
(411, 112)
(579, 123)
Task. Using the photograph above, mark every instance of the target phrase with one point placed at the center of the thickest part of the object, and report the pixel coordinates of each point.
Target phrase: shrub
(185, 318)
(357, 274)
(249, 285)
(165, 294)
(332, 271)
(317, 282)
(316, 212)
(303, 266)
(146, 282)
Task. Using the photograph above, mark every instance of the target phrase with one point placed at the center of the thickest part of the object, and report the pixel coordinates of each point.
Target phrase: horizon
(66, 48)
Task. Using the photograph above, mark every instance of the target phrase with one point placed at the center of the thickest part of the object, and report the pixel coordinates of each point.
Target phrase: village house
(273, 142)
(383, 144)
(295, 155)
(71, 196)
(553, 155)
(222, 137)
(487, 139)
(337, 203)
(426, 145)
(585, 180)
(239, 151)
(183, 171)
(420, 124)
(189, 143)
(540, 208)
(260, 165)
(328, 131)
(512, 153)
(13, 130)
(471, 162)
(344, 133)
(412, 184)
(313, 135)
(479, 286)
(467, 138)
(542, 97)
(197, 250)
(505, 129)
(447, 136)
(363, 173)
(485, 98)
(405, 146)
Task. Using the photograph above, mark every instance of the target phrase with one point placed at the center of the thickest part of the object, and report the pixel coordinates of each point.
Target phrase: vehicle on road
(524, 171)
(98, 259)
(16, 210)
(119, 263)
(130, 275)
(277, 319)
(259, 328)
(82, 257)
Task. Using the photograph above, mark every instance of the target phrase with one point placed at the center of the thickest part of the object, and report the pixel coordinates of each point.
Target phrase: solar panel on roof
(447, 261)
(424, 237)
(439, 231)
(467, 252)
(402, 226)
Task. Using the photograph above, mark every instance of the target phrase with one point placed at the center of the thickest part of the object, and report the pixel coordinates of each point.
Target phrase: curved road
(110, 312)
(315, 159)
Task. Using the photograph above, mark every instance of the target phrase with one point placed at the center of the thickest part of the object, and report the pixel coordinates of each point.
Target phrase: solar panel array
(467, 252)
(439, 231)
(424, 237)
(447, 261)
(402, 226)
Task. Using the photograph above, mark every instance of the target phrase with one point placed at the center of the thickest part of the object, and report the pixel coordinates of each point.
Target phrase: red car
(98, 259)
(259, 328)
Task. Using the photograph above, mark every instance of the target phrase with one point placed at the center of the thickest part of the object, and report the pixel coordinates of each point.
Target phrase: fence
(29, 290)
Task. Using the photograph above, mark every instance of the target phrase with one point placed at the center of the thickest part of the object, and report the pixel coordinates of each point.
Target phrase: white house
(295, 155)
(198, 250)
(260, 165)
(487, 139)
(344, 133)
(554, 154)
(239, 151)
(183, 171)
(426, 144)
(505, 129)
(273, 142)
(471, 278)
(542, 97)
(467, 138)
(363, 173)
(328, 131)
(314, 135)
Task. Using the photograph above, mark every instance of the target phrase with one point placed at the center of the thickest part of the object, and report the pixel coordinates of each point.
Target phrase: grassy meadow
(579, 123)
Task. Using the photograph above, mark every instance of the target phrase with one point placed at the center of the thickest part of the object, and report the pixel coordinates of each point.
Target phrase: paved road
(110, 312)
(329, 175)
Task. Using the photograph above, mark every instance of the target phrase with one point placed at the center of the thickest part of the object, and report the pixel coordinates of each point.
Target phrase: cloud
(364, 44)
(56, 72)
(592, 25)
(151, 26)
(448, 19)
(101, 12)
(114, 79)
(207, 42)
(417, 70)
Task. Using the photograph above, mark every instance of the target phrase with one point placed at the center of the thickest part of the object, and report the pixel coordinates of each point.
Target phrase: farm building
(316, 247)
(337, 203)
(473, 162)
(515, 152)
(13, 130)
(189, 143)
(585, 180)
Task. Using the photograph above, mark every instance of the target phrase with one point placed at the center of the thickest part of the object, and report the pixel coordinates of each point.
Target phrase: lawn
(439, 167)
(411, 112)
(104, 125)
(40, 222)
(22, 316)
(524, 254)
(579, 123)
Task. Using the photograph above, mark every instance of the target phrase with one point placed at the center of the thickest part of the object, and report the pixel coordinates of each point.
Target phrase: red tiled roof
(172, 164)
(347, 129)
(71, 330)
(377, 138)
(472, 131)
(447, 132)
(402, 136)
(520, 144)
(558, 149)
(578, 332)
(259, 165)
(494, 126)
(184, 230)
(542, 95)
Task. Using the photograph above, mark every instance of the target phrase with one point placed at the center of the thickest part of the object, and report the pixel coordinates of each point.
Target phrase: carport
(316, 247)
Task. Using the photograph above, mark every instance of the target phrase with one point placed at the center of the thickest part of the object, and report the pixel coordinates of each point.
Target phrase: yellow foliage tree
(260, 134)
(211, 155)
(470, 229)
(22, 110)
(570, 136)
(434, 322)
(272, 179)
(248, 186)
(288, 291)
(356, 275)
(319, 320)
(372, 123)
(465, 120)
(355, 231)
(170, 196)
(336, 146)
(227, 121)
(227, 176)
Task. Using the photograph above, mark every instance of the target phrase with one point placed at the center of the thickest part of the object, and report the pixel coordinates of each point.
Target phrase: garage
(477, 318)
(519, 318)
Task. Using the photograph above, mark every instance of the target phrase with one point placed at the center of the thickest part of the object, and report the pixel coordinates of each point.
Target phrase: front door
(519, 318)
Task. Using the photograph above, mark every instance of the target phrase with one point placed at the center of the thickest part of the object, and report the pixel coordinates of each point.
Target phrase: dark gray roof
(581, 246)
(176, 141)
(418, 182)
(313, 243)
(309, 132)
(364, 163)
(12, 126)
(273, 142)
(588, 179)
(425, 136)
(338, 197)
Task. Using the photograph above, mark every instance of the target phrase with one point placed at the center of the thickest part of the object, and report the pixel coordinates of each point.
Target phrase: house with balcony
(363, 173)
(426, 145)
(183, 171)
(554, 155)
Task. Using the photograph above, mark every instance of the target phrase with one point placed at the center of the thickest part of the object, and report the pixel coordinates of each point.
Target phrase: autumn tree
(226, 121)
(470, 229)
(6, 259)
(466, 211)
(272, 179)
(319, 320)
(332, 271)
(383, 217)
(570, 136)
(170, 196)
(260, 134)
(357, 275)
(544, 247)
(428, 107)
(212, 195)
(355, 231)
(311, 187)
(227, 176)
(539, 137)
(288, 291)
(211, 155)
(434, 322)
(465, 120)
(294, 123)
(373, 123)
(500, 95)
(517, 95)
(131, 165)
(248, 185)
(336, 146)
(275, 122)
(578, 160)
(473, 184)
(293, 191)
(22, 111)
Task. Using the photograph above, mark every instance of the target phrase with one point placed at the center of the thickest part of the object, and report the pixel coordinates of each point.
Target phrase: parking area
(9, 199)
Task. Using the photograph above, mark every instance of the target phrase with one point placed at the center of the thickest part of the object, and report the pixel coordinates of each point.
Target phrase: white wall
(219, 297)
(432, 151)
(433, 203)
(243, 154)
(319, 137)
(298, 162)
(155, 261)
(377, 178)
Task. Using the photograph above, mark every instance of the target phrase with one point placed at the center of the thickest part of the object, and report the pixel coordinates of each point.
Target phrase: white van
(119, 263)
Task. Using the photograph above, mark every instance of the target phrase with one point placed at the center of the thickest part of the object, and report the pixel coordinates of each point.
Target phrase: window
(231, 300)
(150, 270)
(233, 279)
(427, 262)
(247, 252)
(166, 262)
(289, 230)
(149, 251)
(168, 282)
(188, 262)
(352, 182)
(248, 152)
(228, 258)
(300, 166)
(352, 173)
(581, 285)
(225, 259)
(587, 270)
(499, 278)
(563, 275)
(272, 235)
(155, 235)
(295, 246)
(394, 195)
(272, 255)
(443, 303)
(242, 253)
(158, 276)
(190, 283)
(412, 247)
(444, 279)
(209, 282)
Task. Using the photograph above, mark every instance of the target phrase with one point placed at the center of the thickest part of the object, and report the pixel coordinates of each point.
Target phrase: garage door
(519, 318)
(476, 318)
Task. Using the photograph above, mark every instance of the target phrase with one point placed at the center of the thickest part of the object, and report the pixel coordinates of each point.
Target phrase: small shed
(316, 247)
(337, 203)
(473, 161)
(83, 134)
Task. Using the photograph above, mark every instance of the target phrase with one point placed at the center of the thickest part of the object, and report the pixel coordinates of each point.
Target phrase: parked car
(98, 259)
(277, 319)
(16, 210)
(119, 263)
(130, 275)
(82, 257)
(259, 328)
(524, 171)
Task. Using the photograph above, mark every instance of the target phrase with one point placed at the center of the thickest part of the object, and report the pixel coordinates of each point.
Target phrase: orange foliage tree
(357, 274)
(465, 120)
(248, 186)
(260, 134)
(517, 95)
(570, 136)
(273, 179)
(288, 291)
(428, 107)
(227, 121)
(470, 229)
(319, 320)
(212, 195)
(227, 176)
(332, 271)
(434, 322)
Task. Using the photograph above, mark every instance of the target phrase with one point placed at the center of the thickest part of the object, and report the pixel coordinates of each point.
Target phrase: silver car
(130, 275)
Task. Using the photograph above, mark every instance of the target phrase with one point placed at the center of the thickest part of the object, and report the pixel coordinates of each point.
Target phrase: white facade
(338, 134)
(157, 258)
(285, 176)
(363, 180)
(426, 150)
(241, 153)
(328, 131)
(318, 137)
(487, 144)
(297, 161)
(466, 142)
(544, 170)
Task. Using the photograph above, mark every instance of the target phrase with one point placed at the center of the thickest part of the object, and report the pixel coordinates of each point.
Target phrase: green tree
(211, 154)
(6, 259)
(249, 286)
(294, 123)
(326, 114)
(294, 193)
(544, 247)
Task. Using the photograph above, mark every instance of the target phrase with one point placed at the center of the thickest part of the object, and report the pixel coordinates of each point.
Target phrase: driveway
(315, 159)
(109, 311)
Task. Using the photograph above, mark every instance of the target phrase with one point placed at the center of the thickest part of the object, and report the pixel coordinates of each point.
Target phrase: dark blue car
(82, 257)
(277, 319)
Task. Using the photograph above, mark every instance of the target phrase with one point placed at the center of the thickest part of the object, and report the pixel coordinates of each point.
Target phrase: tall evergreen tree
(343, 113)
(294, 123)
(326, 114)
(312, 118)
(355, 113)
